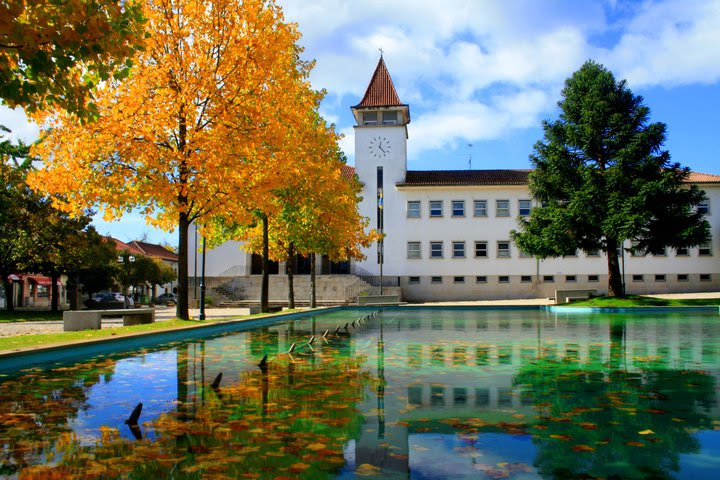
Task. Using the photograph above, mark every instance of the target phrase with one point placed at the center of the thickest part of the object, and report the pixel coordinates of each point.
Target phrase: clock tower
(380, 156)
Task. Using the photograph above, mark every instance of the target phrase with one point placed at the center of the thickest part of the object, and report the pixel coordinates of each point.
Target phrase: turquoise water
(405, 393)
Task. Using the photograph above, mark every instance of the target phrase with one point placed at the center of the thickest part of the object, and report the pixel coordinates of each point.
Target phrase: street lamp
(121, 259)
(202, 285)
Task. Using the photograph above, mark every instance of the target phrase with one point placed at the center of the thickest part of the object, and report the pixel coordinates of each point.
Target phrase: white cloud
(20, 127)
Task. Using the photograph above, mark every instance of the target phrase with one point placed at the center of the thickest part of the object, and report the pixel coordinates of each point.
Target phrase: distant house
(152, 250)
(31, 290)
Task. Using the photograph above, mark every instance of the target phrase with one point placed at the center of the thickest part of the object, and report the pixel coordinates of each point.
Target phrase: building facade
(447, 233)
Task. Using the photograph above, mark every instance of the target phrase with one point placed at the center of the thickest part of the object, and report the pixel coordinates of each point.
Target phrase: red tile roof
(121, 246)
(465, 177)
(497, 177)
(381, 91)
(157, 251)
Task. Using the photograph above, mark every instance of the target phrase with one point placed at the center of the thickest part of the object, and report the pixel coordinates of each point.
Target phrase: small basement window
(481, 279)
(504, 279)
(659, 277)
(570, 278)
(683, 277)
(638, 278)
(435, 279)
(549, 278)
(459, 279)
(705, 277)
(593, 278)
(526, 279)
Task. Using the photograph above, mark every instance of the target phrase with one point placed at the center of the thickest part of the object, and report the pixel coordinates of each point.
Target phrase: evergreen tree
(602, 177)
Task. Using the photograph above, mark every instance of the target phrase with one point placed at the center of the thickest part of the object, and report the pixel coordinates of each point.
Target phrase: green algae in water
(408, 393)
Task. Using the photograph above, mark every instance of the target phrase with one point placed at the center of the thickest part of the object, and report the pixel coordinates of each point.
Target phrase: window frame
(499, 253)
(476, 203)
(415, 213)
(481, 242)
(502, 211)
(455, 244)
(462, 208)
(417, 253)
(528, 208)
(440, 209)
(436, 243)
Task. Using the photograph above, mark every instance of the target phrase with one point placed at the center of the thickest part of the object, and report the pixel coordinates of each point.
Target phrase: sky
(481, 76)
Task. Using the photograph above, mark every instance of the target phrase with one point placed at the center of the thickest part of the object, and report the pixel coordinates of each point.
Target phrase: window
(705, 250)
(638, 278)
(502, 208)
(570, 278)
(704, 207)
(525, 279)
(682, 252)
(660, 253)
(436, 208)
(503, 249)
(593, 278)
(436, 250)
(683, 277)
(390, 118)
(458, 249)
(414, 280)
(481, 279)
(459, 279)
(524, 208)
(413, 209)
(435, 279)
(593, 253)
(370, 118)
(413, 249)
(504, 279)
(481, 250)
(659, 277)
(705, 277)
(548, 278)
(458, 208)
(480, 208)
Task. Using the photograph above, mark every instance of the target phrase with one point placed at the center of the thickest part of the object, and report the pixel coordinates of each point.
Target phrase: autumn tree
(183, 136)
(53, 53)
(603, 177)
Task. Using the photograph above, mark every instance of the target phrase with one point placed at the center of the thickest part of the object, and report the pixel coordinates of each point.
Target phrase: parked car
(109, 300)
(166, 299)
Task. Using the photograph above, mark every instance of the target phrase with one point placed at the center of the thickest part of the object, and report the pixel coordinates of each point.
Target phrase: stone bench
(564, 296)
(74, 320)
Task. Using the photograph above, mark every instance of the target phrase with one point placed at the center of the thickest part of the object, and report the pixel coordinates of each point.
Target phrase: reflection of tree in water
(292, 419)
(36, 409)
(600, 420)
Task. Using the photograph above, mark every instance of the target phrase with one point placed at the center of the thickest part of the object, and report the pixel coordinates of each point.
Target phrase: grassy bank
(641, 301)
(28, 316)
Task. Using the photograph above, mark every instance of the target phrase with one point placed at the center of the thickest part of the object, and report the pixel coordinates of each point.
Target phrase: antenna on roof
(470, 156)
(381, 52)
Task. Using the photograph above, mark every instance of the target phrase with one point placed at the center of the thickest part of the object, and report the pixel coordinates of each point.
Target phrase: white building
(448, 232)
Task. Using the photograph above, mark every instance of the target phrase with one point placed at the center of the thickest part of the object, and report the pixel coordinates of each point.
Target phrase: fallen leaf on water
(582, 448)
(299, 467)
(635, 444)
(367, 470)
(646, 432)
(589, 426)
(560, 437)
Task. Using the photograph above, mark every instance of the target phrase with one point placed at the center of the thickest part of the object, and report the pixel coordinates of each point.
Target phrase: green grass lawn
(28, 316)
(639, 301)
(49, 339)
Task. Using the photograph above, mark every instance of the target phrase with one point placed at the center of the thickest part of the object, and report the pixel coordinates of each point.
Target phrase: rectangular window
(436, 249)
(682, 252)
(638, 278)
(413, 209)
(683, 277)
(458, 249)
(370, 118)
(481, 279)
(659, 277)
(458, 208)
(436, 208)
(504, 279)
(459, 279)
(480, 208)
(705, 277)
(503, 249)
(414, 280)
(481, 250)
(705, 250)
(593, 253)
(435, 279)
(413, 250)
(704, 207)
(570, 278)
(502, 208)
(390, 118)
(660, 253)
(524, 208)
(548, 278)
(526, 279)
(593, 278)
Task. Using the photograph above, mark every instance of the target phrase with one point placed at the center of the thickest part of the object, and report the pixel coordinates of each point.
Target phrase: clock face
(379, 147)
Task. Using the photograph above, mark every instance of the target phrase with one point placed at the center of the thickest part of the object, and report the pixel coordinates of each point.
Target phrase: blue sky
(486, 73)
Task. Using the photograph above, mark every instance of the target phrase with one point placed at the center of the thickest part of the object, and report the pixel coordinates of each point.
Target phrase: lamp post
(202, 285)
(121, 259)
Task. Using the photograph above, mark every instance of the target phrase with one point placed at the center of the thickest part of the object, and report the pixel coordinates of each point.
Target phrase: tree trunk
(54, 292)
(313, 302)
(615, 283)
(264, 302)
(182, 296)
(290, 273)
(7, 284)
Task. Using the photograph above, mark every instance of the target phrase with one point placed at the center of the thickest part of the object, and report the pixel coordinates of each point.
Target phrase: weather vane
(381, 51)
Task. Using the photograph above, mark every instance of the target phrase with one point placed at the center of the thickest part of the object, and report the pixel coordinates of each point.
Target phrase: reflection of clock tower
(381, 159)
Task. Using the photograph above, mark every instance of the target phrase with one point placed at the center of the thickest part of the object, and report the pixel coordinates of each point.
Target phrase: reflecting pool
(403, 393)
